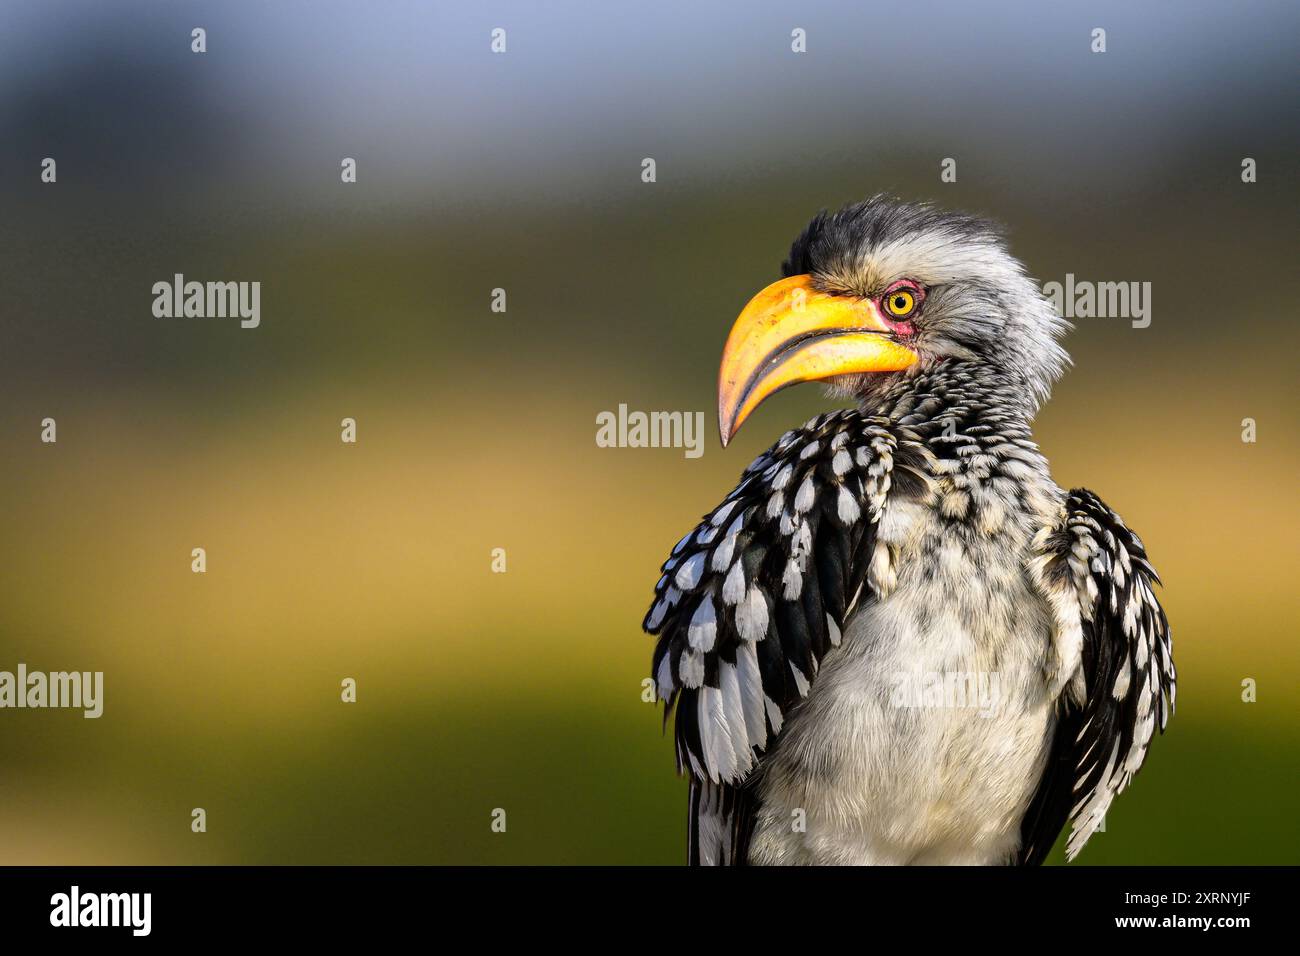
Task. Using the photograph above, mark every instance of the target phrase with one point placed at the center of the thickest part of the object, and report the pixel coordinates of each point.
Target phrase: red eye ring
(901, 301)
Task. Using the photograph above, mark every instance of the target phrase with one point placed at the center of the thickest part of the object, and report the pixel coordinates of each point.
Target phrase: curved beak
(791, 333)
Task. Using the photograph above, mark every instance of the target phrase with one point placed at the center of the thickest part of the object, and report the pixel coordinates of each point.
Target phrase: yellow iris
(900, 303)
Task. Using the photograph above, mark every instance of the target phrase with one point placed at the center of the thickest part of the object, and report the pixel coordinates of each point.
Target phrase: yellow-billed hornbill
(897, 640)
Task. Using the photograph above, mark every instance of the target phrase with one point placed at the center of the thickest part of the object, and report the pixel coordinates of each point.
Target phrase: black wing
(754, 597)
(1127, 670)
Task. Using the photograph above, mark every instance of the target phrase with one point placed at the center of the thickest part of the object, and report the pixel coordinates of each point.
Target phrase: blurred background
(476, 430)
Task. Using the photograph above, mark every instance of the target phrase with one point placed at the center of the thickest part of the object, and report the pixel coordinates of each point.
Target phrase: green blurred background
(477, 430)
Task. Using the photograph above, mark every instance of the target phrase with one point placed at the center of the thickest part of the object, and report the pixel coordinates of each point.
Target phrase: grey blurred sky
(478, 170)
(712, 91)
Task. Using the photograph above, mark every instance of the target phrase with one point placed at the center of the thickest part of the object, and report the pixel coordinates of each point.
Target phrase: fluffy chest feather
(925, 733)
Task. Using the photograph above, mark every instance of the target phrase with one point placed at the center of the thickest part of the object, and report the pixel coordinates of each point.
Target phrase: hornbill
(914, 541)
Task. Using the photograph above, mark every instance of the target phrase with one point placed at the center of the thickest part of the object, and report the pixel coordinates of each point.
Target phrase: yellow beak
(791, 333)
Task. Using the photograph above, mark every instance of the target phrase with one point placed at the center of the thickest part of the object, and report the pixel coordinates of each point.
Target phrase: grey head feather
(981, 305)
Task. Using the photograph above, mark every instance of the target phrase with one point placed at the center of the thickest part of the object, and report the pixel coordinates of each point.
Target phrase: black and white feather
(752, 599)
(1127, 669)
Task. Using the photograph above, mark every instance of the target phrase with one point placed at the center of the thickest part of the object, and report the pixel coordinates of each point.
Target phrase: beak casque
(791, 333)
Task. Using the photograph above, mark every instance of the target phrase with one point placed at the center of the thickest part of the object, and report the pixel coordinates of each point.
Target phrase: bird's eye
(901, 302)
